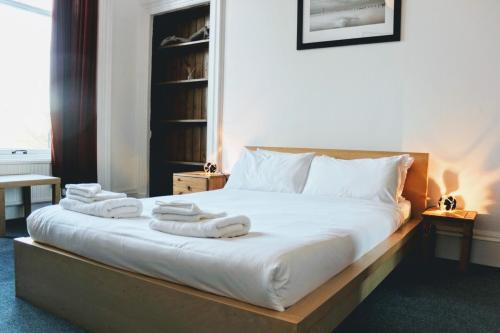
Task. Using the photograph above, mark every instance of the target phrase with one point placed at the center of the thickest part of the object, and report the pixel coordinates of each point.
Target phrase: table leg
(426, 241)
(465, 248)
(56, 193)
(27, 200)
(2, 212)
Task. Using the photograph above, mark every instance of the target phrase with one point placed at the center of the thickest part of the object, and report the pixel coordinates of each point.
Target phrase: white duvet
(297, 242)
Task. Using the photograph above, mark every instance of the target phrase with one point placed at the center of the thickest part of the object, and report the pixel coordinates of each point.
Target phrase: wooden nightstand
(191, 182)
(459, 220)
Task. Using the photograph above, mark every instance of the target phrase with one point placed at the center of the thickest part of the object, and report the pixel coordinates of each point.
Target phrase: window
(25, 32)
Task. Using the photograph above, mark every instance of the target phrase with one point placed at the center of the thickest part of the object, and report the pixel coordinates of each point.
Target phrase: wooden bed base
(101, 298)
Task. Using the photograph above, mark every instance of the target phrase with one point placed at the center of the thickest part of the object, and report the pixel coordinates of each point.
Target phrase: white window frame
(7, 155)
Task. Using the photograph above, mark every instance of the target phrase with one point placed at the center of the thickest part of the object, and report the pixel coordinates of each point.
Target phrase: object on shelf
(190, 70)
(203, 33)
(171, 40)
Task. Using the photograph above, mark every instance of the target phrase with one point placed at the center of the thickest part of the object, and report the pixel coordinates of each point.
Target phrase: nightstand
(191, 182)
(459, 220)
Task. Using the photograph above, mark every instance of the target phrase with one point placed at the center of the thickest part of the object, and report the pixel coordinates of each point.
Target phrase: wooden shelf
(186, 45)
(182, 82)
(185, 163)
(178, 119)
(185, 121)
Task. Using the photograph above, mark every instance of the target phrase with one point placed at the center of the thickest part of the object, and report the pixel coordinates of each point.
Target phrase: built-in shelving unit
(178, 97)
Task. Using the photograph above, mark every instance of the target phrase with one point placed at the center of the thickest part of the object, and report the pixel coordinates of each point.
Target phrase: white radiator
(38, 193)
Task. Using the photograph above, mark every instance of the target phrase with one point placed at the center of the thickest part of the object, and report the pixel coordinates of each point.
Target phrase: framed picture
(327, 23)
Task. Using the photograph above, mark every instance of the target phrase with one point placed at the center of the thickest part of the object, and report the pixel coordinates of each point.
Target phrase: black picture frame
(395, 37)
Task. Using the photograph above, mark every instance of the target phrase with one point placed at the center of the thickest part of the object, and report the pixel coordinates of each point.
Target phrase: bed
(261, 282)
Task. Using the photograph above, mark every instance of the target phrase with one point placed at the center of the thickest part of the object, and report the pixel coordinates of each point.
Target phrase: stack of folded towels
(187, 219)
(90, 199)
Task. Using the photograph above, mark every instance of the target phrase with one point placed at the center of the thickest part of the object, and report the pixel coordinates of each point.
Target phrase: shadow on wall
(451, 185)
(465, 162)
(474, 178)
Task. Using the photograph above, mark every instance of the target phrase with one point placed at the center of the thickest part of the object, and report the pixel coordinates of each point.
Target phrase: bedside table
(461, 219)
(199, 181)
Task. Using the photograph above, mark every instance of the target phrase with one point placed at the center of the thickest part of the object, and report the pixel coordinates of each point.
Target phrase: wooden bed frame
(101, 298)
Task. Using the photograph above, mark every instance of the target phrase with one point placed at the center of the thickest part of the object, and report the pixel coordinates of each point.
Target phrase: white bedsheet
(297, 242)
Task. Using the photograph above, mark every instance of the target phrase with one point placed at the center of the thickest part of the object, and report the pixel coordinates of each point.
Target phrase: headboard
(415, 189)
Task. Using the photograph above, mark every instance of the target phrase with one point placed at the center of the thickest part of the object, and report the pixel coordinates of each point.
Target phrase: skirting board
(485, 247)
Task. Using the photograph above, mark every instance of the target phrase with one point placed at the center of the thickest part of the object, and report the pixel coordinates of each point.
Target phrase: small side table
(462, 219)
(25, 182)
(192, 182)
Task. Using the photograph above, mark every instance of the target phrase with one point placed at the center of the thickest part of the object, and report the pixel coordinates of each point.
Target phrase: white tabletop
(27, 180)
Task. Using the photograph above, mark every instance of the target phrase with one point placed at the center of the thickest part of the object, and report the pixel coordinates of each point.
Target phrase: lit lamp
(210, 168)
(447, 203)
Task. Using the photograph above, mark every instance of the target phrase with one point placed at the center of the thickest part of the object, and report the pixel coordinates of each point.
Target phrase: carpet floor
(412, 299)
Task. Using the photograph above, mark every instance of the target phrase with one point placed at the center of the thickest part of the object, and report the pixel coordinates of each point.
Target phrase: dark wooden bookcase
(178, 100)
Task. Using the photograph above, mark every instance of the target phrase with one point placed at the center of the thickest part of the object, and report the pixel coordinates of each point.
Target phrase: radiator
(39, 194)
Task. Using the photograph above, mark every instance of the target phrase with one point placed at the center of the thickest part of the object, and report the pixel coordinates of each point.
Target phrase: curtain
(73, 90)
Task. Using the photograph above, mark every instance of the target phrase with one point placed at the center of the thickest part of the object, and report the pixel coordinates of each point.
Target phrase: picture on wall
(327, 23)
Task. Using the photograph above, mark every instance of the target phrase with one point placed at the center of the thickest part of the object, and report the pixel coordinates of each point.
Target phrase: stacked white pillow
(406, 164)
(269, 171)
(379, 179)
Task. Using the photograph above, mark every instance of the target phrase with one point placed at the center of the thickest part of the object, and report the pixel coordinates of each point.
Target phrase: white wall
(436, 91)
(123, 164)
(123, 126)
(123, 129)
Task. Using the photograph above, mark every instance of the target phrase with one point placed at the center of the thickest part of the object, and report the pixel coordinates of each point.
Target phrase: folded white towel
(177, 208)
(175, 203)
(117, 208)
(230, 226)
(86, 190)
(101, 196)
(187, 218)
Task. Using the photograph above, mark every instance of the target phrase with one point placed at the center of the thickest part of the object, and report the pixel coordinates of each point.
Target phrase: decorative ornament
(210, 167)
(447, 202)
(190, 72)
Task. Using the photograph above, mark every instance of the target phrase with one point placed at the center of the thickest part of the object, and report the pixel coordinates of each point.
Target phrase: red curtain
(73, 90)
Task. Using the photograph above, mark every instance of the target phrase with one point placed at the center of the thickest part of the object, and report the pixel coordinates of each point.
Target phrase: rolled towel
(176, 207)
(88, 190)
(230, 226)
(116, 208)
(187, 218)
(101, 196)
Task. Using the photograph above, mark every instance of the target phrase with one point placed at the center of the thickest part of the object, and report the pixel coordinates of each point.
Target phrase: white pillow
(404, 166)
(270, 171)
(372, 179)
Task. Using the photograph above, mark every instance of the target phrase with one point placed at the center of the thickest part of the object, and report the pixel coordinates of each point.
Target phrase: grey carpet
(17, 315)
(412, 299)
(433, 298)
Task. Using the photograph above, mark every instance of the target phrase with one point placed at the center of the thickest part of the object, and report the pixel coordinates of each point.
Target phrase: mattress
(296, 243)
